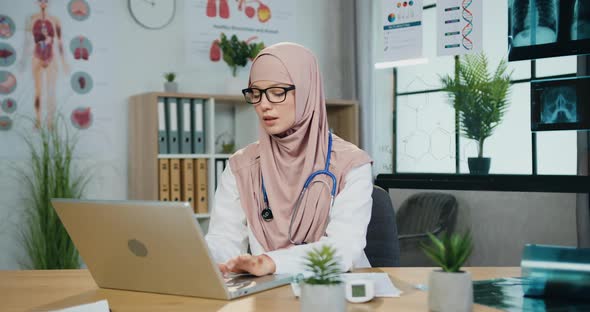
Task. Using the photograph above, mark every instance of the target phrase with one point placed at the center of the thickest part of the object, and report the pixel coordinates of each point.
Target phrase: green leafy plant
(324, 265)
(450, 251)
(479, 97)
(50, 175)
(237, 52)
(170, 76)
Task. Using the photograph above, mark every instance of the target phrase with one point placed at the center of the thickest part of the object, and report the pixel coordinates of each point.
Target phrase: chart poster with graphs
(251, 21)
(459, 28)
(402, 30)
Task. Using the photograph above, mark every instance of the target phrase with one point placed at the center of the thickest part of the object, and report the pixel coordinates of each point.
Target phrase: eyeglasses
(273, 94)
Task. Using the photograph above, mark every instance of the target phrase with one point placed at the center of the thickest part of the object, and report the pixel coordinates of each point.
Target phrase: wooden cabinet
(226, 118)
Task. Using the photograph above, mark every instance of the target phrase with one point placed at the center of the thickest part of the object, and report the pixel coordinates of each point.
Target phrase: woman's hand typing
(257, 265)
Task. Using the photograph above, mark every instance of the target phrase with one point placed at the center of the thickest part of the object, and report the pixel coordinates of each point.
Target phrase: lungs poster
(459, 26)
(54, 61)
(251, 21)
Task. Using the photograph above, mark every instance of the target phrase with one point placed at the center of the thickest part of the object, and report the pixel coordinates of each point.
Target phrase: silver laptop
(153, 247)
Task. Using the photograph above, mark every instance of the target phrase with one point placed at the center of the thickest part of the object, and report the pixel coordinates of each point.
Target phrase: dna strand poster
(402, 30)
(459, 27)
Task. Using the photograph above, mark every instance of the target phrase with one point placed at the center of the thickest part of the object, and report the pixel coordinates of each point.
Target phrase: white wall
(325, 27)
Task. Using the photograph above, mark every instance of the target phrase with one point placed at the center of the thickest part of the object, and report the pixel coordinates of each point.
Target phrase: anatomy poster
(252, 21)
(459, 26)
(54, 60)
(402, 30)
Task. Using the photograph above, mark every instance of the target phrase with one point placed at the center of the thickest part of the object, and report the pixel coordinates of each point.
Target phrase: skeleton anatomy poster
(54, 57)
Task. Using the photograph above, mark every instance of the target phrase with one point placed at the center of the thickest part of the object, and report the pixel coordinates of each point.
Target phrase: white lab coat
(229, 234)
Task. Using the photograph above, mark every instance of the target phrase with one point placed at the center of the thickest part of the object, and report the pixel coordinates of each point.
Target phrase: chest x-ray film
(547, 28)
(560, 104)
(554, 279)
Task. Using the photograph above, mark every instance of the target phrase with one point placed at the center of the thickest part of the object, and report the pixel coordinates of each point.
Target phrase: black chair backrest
(426, 212)
(382, 248)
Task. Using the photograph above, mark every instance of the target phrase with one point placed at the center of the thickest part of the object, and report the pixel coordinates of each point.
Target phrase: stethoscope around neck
(266, 213)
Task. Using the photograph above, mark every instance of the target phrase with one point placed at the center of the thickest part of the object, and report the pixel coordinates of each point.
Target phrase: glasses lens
(252, 95)
(276, 95)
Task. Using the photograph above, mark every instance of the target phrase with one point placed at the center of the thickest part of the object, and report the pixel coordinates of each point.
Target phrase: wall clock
(152, 14)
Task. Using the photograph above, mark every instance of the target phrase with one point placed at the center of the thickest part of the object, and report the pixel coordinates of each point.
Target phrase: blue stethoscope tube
(267, 212)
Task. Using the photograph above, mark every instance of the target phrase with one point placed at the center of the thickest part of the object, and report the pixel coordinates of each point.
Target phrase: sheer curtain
(374, 87)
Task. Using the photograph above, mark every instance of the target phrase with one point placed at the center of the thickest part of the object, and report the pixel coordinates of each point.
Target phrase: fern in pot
(449, 289)
(481, 100)
(323, 291)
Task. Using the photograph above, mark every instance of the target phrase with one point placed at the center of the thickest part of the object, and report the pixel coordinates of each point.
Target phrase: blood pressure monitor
(361, 290)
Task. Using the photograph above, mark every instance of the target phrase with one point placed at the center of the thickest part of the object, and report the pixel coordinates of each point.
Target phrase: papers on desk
(99, 306)
(383, 285)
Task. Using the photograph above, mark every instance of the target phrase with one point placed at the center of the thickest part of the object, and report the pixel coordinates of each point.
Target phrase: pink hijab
(286, 162)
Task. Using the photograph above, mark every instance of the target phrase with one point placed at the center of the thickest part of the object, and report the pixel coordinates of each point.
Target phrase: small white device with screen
(361, 290)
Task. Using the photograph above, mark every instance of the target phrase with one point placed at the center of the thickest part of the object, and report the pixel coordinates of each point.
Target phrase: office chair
(419, 214)
(382, 248)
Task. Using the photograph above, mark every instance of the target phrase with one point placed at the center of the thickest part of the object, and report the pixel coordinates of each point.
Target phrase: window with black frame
(424, 119)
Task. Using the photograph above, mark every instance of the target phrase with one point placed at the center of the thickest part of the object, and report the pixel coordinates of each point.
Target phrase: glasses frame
(263, 91)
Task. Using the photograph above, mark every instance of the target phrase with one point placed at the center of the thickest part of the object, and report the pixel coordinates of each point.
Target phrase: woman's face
(275, 118)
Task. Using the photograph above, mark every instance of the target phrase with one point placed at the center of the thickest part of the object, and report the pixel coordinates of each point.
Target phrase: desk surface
(46, 290)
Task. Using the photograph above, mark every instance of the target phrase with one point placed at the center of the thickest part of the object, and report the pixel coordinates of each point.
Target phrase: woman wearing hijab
(260, 204)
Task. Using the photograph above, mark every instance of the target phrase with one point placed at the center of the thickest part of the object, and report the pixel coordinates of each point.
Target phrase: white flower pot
(171, 87)
(323, 298)
(450, 292)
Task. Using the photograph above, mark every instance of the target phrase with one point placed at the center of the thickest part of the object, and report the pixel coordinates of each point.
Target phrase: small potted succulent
(170, 85)
(323, 291)
(449, 289)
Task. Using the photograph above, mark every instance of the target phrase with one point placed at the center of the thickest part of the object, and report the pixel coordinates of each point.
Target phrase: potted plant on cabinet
(449, 289)
(170, 85)
(324, 291)
(480, 98)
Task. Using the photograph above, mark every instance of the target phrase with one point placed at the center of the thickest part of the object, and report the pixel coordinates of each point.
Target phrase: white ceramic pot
(323, 298)
(450, 292)
(171, 87)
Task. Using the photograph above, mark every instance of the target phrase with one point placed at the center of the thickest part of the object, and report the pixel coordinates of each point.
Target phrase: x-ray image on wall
(548, 28)
(559, 105)
(534, 22)
(581, 24)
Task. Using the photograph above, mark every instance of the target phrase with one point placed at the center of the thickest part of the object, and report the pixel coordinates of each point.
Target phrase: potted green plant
(323, 291)
(170, 85)
(481, 100)
(50, 174)
(225, 143)
(237, 53)
(449, 289)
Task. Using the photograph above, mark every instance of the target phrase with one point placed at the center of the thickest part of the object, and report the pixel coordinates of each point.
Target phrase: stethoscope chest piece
(266, 214)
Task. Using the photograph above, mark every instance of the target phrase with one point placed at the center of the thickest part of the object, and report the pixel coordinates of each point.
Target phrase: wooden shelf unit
(143, 135)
